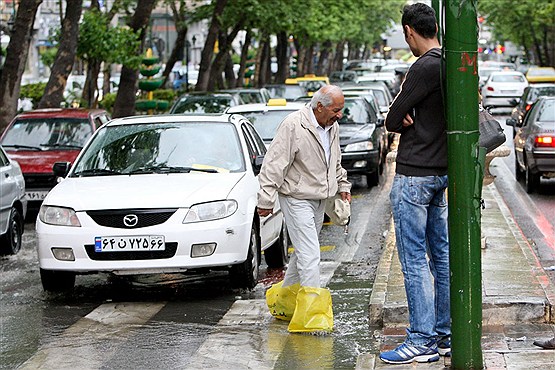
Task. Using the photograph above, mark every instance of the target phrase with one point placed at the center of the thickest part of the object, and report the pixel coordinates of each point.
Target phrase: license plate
(508, 91)
(136, 243)
(36, 195)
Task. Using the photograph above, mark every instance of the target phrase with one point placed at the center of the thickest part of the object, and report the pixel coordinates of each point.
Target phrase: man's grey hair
(325, 95)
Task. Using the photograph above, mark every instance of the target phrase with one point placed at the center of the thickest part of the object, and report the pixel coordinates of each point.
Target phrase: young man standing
(418, 194)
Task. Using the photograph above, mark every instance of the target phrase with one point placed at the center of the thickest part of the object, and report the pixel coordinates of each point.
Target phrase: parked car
(540, 74)
(289, 92)
(501, 88)
(266, 118)
(534, 143)
(363, 139)
(343, 76)
(204, 102)
(529, 96)
(378, 88)
(178, 194)
(484, 72)
(38, 139)
(250, 95)
(13, 204)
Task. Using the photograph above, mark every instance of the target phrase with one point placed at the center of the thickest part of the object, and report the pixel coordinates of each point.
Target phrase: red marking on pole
(466, 60)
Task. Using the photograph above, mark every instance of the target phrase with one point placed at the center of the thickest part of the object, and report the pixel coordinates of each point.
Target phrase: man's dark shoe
(545, 344)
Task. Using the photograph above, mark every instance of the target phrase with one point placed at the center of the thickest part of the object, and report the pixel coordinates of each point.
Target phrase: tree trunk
(323, 59)
(300, 58)
(208, 50)
(338, 57)
(229, 73)
(218, 64)
(178, 46)
(282, 55)
(309, 60)
(90, 96)
(125, 98)
(16, 58)
(63, 64)
(265, 64)
(537, 46)
(244, 56)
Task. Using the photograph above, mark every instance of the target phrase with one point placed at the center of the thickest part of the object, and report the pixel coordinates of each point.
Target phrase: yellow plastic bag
(313, 312)
(282, 301)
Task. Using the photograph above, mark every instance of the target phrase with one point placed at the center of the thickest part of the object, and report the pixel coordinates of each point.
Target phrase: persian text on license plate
(134, 243)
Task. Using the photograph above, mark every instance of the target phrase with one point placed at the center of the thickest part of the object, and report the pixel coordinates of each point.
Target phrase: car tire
(57, 281)
(373, 178)
(518, 172)
(11, 241)
(532, 180)
(245, 275)
(277, 255)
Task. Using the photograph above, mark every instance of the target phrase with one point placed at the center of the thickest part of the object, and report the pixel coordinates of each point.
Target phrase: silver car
(13, 204)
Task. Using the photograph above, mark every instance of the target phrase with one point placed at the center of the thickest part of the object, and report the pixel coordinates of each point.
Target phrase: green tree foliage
(527, 23)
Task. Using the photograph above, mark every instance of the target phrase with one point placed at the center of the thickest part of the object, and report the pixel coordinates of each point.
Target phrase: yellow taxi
(540, 74)
(310, 82)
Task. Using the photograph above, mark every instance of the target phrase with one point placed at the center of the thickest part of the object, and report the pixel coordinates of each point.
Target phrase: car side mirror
(511, 122)
(61, 169)
(384, 109)
(380, 122)
(257, 163)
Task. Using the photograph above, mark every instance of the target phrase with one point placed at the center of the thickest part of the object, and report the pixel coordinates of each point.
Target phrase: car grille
(40, 181)
(144, 217)
(169, 252)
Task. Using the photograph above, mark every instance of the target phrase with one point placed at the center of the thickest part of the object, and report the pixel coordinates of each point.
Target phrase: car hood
(41, 161)
(349, 133)
(142, 191)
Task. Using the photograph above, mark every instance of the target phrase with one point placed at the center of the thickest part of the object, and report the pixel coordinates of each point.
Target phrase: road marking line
(78, 346)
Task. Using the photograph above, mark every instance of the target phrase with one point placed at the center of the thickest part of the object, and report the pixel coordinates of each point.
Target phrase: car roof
(506, 72)
(175, 118)
(60, 113)
(261, 107)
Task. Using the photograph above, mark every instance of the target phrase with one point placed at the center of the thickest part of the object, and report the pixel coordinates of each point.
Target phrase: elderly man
(303, 168)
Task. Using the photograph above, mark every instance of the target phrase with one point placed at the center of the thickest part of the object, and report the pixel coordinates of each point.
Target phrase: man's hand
(262, 212)
(346, 196)
(407, 121)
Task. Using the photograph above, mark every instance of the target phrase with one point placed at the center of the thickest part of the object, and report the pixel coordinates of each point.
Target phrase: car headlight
(359, 147)
(210, 211)
(60, 216)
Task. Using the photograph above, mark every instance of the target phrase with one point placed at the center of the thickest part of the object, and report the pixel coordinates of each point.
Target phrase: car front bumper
(360, 162)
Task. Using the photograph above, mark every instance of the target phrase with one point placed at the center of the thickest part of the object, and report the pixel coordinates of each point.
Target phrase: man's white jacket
(295, 164)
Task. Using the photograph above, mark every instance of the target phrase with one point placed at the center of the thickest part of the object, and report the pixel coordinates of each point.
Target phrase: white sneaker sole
(422, 358)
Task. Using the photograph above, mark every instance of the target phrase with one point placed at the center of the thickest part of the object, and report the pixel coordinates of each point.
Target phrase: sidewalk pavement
(518, 298)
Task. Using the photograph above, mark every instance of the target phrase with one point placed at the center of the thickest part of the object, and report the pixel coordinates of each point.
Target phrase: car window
(202, 104)
(292, 92)
(542, 91)
(508, 78)
(4, 161)
(355, 111)
(129, 149)
(49, 132)
(267, 123)
(380, 95)
(547, 112)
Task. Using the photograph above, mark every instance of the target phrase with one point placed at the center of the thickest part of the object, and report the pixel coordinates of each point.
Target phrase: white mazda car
(160, 194)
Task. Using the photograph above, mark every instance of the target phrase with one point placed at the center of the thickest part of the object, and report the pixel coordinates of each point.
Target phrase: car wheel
(245, 275)
(57, 281)
(532, 180)
(518, 172)
(11, 241)
(373, 178)
(277, 255)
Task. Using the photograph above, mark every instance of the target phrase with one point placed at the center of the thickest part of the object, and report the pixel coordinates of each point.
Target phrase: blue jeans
(420, 215)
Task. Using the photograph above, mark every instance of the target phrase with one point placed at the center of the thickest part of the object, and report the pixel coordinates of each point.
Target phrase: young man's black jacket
(422, 147)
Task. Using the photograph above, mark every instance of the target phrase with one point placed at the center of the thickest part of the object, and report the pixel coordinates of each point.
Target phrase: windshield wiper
(63, 145)
(170, 169)
(18, 146)
(96, 172)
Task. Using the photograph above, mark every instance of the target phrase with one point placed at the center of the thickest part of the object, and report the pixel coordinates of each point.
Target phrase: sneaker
(407, 353)
(444, 347)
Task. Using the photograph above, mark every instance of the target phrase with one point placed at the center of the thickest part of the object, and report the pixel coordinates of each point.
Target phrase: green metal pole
(436, 5)
(465, 181)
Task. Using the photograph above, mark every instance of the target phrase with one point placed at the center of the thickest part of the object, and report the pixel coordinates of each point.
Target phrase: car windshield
(292, 92)
(547, 112)
(202, 104)
(507, 78)
(355, 112)
(267, 123)
(59, 133)
(162, 148)
(541, 91)
(541, 72)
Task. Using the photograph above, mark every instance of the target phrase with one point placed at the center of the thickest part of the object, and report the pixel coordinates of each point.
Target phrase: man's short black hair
(421, 18)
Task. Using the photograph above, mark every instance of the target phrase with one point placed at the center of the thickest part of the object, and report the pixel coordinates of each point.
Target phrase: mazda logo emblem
(130, 220)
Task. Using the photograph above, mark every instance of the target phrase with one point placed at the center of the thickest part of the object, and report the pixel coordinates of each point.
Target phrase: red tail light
(490, 88)
(544, 142)
(528, 106)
